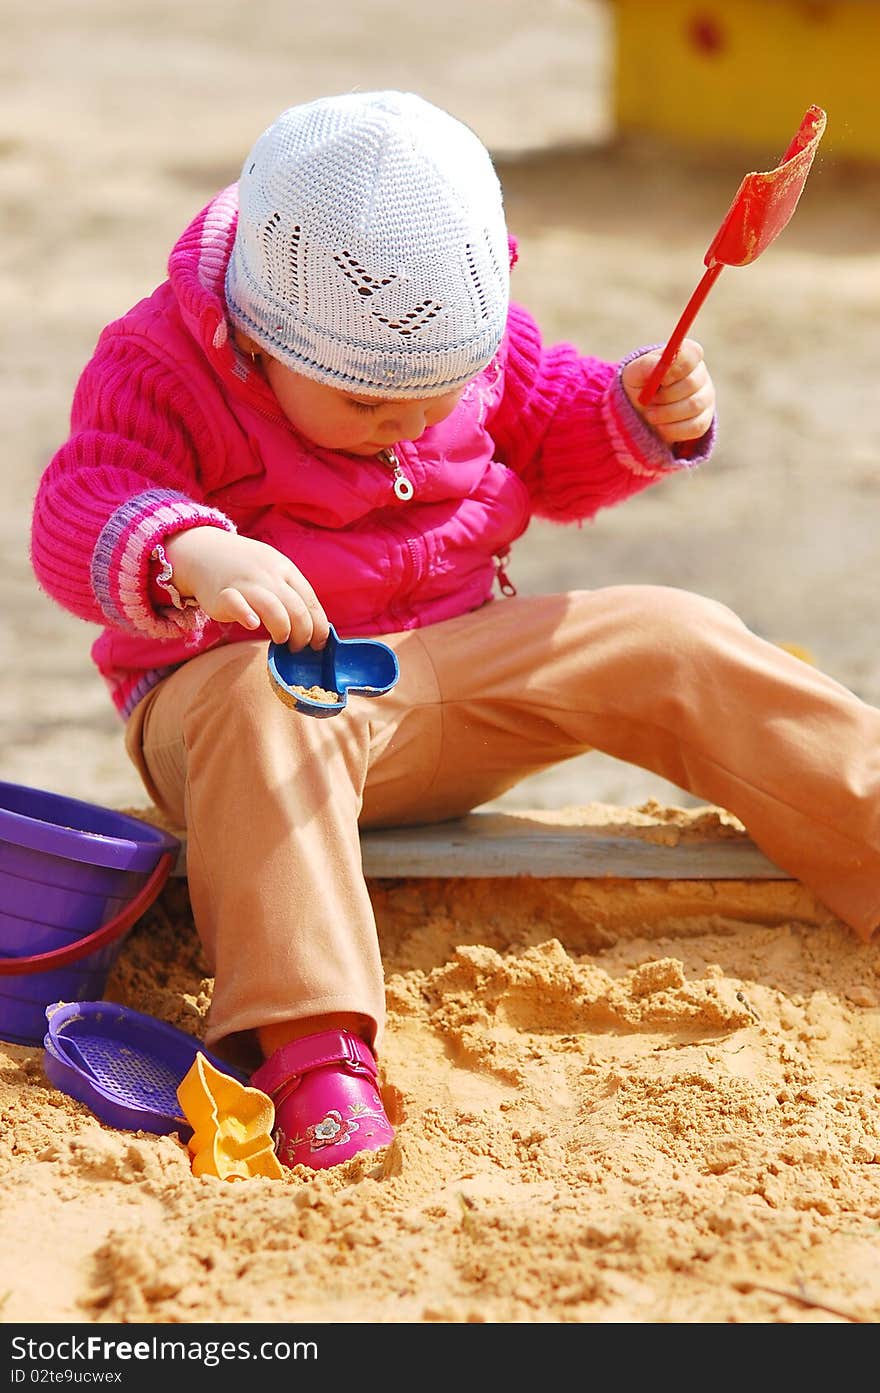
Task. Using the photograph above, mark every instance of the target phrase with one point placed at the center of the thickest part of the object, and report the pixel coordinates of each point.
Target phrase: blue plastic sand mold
(362, 666)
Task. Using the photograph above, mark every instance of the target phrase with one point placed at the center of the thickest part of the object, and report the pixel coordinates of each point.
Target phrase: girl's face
(350, 421)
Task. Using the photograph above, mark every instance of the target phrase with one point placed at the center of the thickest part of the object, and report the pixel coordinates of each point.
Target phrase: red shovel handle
(114, 928)
(689, 314)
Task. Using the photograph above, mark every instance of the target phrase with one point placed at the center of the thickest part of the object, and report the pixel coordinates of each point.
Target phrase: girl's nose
(406, 422)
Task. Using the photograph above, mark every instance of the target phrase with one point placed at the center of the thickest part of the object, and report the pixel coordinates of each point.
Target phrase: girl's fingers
(689, 428)
(687, 362)
(688, 386)
(667, 412)
(233, 608)
(693, 429)
(289, 615)
(686, 359)
(283, 625)
(305, 596)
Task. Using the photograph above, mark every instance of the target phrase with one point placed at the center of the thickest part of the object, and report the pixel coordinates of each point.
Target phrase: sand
(635, 1104)
(667, 1119)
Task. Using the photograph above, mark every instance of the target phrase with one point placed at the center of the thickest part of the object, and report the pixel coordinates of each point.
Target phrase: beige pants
(272, 799)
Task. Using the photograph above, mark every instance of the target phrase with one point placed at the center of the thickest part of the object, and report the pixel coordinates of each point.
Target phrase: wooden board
(485, 845)
(495, 844)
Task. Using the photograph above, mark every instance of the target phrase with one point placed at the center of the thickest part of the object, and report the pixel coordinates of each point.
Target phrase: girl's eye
(362, 405)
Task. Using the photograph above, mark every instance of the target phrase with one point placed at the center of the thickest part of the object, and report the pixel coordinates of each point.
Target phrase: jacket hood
(196, 273)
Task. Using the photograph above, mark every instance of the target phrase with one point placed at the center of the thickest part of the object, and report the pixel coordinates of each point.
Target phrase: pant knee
(665, 618)
(654, 646)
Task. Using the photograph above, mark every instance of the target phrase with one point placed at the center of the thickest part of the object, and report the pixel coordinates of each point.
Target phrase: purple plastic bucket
(74, 878)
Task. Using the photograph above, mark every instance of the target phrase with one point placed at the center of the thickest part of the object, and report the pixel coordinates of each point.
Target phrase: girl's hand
(684, 404)
(242, 581)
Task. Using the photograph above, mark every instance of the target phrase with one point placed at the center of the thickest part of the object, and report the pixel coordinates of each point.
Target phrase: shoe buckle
(352, 1059)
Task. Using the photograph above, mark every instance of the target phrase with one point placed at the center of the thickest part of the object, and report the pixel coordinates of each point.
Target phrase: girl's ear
(244, 342)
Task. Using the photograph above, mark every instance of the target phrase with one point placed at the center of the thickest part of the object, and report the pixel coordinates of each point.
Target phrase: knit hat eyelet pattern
(371, 249)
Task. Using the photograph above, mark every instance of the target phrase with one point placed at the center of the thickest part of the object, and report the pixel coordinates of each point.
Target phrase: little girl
(331, 411)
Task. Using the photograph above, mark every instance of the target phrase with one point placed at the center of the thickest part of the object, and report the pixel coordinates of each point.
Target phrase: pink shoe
(327, 1107)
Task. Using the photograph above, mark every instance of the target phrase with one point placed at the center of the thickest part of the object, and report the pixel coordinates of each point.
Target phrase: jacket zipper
(403, 488)
(505, 584)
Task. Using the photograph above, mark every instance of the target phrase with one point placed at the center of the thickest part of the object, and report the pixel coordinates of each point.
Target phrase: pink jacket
(171, 428)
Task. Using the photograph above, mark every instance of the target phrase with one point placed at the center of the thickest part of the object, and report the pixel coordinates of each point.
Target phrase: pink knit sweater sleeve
(566, 427)
(125, 479)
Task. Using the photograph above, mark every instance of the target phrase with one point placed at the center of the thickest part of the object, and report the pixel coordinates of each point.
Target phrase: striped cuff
(121, 561)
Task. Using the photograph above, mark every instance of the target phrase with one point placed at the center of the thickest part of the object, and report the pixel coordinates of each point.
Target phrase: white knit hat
(371, 252)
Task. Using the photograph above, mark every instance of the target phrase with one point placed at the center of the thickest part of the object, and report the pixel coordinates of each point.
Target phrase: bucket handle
(99, 938)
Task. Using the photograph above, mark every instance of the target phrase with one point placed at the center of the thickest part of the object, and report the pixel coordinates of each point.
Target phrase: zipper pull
(505, 584)
(403, 488)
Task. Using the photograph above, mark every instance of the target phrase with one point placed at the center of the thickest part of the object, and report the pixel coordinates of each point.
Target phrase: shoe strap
(285, 1067)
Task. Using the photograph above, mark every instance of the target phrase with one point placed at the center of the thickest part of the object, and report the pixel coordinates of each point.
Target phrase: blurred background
(621, 130)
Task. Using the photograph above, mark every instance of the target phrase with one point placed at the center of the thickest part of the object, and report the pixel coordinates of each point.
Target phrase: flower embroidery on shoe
(361, 1110)
(331, 1129)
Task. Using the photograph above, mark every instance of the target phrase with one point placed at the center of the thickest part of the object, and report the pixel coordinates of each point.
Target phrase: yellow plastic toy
(232, 1125)
(799, 651)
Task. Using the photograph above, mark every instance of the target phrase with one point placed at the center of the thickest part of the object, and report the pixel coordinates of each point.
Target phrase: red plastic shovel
(762, 206)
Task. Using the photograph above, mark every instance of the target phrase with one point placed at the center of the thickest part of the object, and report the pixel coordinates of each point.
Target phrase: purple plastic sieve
(124, 1065)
